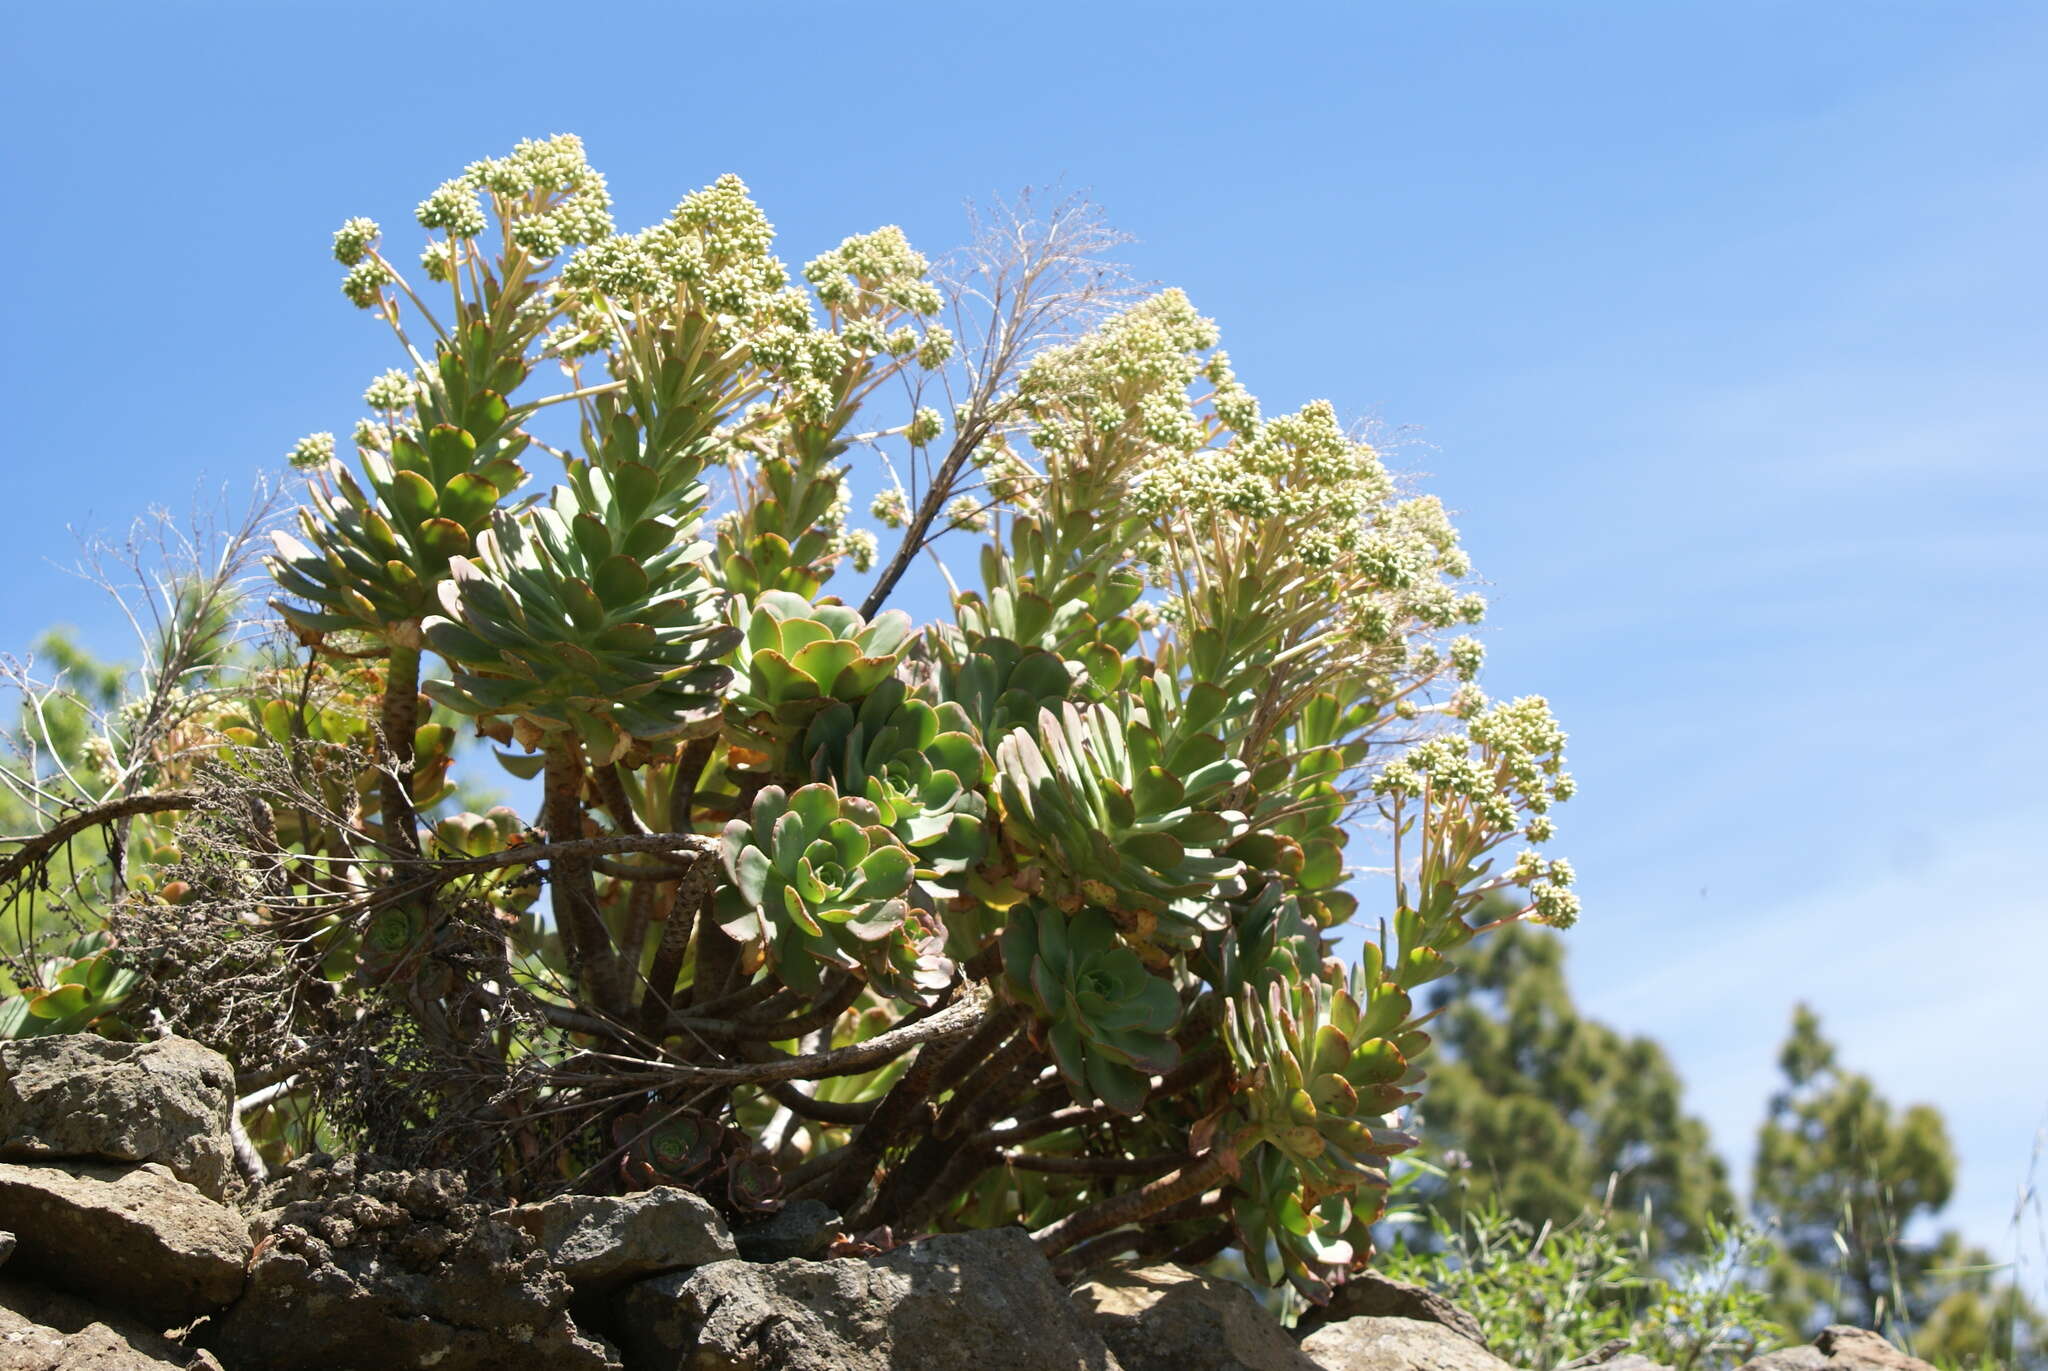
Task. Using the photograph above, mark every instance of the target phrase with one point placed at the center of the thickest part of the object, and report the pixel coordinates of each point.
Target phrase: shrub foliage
(1030, 912)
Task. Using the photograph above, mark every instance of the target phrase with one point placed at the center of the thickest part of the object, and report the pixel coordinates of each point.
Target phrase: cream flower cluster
(873, 274)
(311, 452)
(1508, 766)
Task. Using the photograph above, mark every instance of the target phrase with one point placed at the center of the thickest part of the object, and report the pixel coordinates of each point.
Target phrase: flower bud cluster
(365, 282)
(391, 391)
(712, 261)
(1468, 654)
(936, 347)
(1548, 881)
(454, 206)
(372, 436)
(1080, 398)
(1522, 741)
(437, 260)
(924, 426)
(1115, 412)
(1006, 476)
(966, 512)
(891, 507)
(713, 255)
(354, 239)
(859, 546)
(1508, 763)
(311, 452)
(873, 274)
(549, 195)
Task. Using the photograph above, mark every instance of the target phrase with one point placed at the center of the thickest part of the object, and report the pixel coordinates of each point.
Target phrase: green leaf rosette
(1109, 1020)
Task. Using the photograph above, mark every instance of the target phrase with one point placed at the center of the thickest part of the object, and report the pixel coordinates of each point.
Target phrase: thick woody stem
(399, 719)
(682, 792)
(1091, 1166)
(904, 1105)
(1191, 1180)
(593, 961)
(822, 1015)
(667, 969)
(843, 1115)
(943, 1163)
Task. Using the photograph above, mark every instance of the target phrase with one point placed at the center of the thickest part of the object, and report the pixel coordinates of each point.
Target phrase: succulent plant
(666, 1146)
(816, 883)
(478, 835)
(395, 942)
(998, 685)
(1320, 1061)
(595, 616)
(72, 991)
(1109, 818)
(372, 557)
(1266, 935)
(1109, 1020)
(1119, 783)
(800, 658)
(753, 1183)
(1302, 812)
(1287, 1233)
(921, 768)
(1072, 605)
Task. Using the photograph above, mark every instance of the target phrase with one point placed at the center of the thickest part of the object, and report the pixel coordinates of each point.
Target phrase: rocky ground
(127, 1242)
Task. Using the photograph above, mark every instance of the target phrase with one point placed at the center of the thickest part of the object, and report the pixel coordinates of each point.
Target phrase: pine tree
(1979, 1317)
(1540, 1106)
(1843, 1174)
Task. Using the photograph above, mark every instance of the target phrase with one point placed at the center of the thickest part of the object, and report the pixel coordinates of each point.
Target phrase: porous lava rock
(1368, 1294)
(47, 1330)
(983, 1301)
(601, 1242)
(1840, 1347)
(801, 1228)
(1168, 1318)
(1383, 1344)
(135, 1237)
(86, 1098)
(360, 1266)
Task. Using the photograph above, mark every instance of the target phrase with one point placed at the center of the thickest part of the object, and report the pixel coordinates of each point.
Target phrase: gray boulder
(1369, 1295)
(362, 1267)
(1381, 1344)
(801, 1228)
(82, 1097)
(135, 1236)
(1613, 1356)
(983, 1301)
(1168, 1318)
(46, 1330)
(1840, 1347)
(601, 1242)
(1806, 1358)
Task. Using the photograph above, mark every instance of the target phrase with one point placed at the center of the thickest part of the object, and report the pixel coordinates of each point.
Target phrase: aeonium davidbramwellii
(1028, 913)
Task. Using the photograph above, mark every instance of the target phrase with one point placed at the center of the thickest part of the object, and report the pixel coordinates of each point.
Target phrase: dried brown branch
(1027, 280)
(956, 1021)
(1092, 1166)
(33, 848)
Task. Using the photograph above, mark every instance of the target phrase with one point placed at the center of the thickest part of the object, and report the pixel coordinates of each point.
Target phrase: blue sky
(1721, 325)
